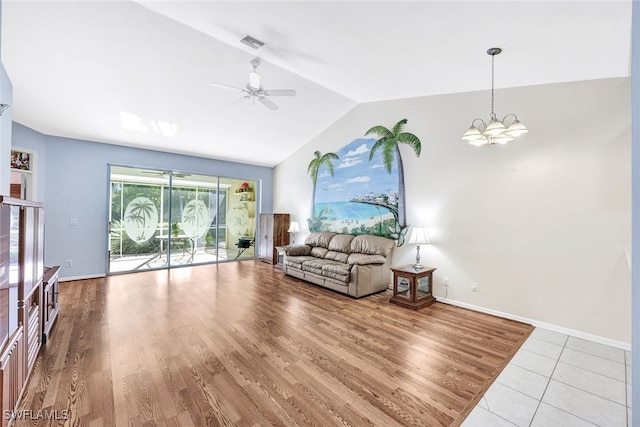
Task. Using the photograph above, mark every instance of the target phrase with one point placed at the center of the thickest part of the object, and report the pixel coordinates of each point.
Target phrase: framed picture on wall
(20, 160)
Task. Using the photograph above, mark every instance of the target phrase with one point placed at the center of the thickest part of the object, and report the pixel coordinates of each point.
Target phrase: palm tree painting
(320, 160)
(363, 192)
(140, 219)
(388, 143)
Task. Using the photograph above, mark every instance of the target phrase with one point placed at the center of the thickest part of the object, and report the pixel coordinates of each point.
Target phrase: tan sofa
(354, 265)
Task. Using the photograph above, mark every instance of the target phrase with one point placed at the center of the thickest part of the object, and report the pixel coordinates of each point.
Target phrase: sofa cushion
(337, 271)
(340, 247)
(298, 250)
(372, 245)
(337, 256)
(321, 239)
(296, 261)
(315, 265)
(341, 243)
(319, 252)
(362, 259)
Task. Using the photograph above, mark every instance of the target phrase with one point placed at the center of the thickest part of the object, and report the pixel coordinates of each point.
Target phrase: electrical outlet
(446, 281)
(474, 286)
(69, 263)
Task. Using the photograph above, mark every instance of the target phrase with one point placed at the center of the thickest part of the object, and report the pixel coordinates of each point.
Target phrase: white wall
(6, 97)
(635, 96)
(542, 224)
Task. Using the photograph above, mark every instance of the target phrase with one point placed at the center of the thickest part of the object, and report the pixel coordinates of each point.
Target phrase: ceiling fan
(166, 174)
(254, 90)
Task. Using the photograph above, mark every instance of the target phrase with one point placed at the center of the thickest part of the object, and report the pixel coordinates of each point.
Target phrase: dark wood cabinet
(272, 232)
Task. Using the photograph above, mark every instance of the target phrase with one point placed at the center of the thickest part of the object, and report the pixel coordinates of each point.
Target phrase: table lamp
(294, 227)
(418, 237)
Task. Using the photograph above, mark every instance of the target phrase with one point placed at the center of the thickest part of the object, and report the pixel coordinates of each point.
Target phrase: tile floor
(557, 380)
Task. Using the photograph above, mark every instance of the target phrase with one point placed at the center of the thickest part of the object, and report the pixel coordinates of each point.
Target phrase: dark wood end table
(412, 288)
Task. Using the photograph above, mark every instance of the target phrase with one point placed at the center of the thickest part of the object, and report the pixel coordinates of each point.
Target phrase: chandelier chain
(493, 57)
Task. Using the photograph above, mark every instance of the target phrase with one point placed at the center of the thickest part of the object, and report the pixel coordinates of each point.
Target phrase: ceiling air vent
(252, 42)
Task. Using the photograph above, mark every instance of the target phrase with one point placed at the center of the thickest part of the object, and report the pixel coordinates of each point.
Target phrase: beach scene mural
(360, 197)
(360, 189)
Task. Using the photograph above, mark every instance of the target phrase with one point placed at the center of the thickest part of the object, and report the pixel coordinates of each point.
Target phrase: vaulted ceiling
(137, 73)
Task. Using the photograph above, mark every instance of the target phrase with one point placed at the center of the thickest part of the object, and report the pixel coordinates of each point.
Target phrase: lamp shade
(418, 236)
(472, 134)
(516, 129)
(294, 227)
(495, 127)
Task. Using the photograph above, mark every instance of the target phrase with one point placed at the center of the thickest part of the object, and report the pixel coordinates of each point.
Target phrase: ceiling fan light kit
(496, 132)
(254, 90)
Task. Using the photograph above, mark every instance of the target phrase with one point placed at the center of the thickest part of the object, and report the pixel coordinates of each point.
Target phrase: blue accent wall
(73, 183)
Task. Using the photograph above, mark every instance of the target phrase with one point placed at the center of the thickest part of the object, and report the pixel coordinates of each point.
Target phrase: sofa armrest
(297, 250)
(363, 259)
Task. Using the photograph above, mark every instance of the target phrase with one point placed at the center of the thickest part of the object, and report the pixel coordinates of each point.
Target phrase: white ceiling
(137, 73)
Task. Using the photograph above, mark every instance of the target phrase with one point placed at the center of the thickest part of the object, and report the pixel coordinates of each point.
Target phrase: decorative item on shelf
(418, 237)
(496, 132)
(175, 229)
(294, 228)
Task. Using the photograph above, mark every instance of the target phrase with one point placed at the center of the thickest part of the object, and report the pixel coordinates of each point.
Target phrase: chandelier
(497, 131)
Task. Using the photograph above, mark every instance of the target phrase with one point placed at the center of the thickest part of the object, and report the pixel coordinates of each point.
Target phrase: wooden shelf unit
(21, 284)
(272, 232)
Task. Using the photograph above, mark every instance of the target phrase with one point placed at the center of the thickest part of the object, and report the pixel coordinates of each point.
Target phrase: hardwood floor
(241, 344)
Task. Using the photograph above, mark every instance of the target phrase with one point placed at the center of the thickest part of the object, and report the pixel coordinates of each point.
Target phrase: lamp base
(417, 265)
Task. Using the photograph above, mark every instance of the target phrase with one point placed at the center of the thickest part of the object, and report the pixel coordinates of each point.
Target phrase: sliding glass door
(160, 219)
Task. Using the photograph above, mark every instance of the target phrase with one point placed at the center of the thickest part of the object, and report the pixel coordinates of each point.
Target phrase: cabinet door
(280, 230)
(5, 270)
(266, 238)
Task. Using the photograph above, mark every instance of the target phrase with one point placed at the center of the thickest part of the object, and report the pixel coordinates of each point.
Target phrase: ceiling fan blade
(270, 105)
(240, 99)
(280, 92)
(166, 174)
(227, 87)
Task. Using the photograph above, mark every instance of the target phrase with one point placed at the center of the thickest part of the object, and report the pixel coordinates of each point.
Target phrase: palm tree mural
(389, 142)
(315, 224)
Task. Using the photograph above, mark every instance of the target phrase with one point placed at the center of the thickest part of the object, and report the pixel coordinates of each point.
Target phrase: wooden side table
(280, 251)
(412, 288)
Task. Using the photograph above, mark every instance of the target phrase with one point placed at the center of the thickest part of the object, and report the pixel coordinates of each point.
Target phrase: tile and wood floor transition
(241, 344)
(557, 380)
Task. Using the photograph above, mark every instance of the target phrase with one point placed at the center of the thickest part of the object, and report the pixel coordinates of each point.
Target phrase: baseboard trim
(90, 276)
(538, 324)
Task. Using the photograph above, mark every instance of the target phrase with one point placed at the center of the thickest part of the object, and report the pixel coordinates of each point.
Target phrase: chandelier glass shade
(496, 131)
